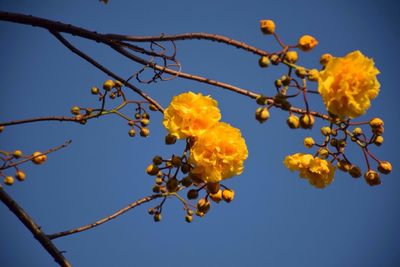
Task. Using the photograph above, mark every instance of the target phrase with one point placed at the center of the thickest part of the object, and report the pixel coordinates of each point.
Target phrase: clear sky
(276, 219)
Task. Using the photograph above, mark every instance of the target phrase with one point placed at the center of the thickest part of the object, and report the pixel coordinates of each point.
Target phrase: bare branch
(106, 219)
(34, 229)
(51, 118)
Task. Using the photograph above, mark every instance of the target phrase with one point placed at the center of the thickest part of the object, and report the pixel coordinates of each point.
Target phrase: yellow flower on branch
(191, 114)
(348, 84)
(319, 172)
(219, 153)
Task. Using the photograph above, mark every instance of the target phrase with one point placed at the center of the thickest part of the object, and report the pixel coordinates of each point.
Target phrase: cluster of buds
(14, 159)
(174, 175)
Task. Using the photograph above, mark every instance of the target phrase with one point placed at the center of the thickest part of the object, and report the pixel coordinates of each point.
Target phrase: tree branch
(105, 219)
(51, 118)
(34, 229)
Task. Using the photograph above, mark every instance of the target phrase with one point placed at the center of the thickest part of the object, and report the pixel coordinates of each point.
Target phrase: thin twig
(34, 229)
(51, 118)
(105, 219)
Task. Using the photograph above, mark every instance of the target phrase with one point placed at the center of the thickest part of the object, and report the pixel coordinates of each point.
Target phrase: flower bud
(199, 213)
(156, 188)
(172, 185)
(278, 83)
(152, 170)
(17, 154)
(307, 42)
(38, 158)
(75, 110)
(187, 181)
(132, 132)
(323, 153)
(293, 122)
(159, 181)
(118, 84)
(325, 58)
(275, 59)
(157, 160)
(376, 122)
(20, 175)
(8, 180)
(144, 122)
(108, 85)
(1, 129)
(267, 26)
(384, 167)
(309, 142)
(203, 205)
(157, 217)
(176, 161)
(301, 73)
(188, 218)
(355, 171)
(185, 168)
(153, 107)
(264, 62)
(144, 132)
(326, 131)
(378, 140)
(170, 139)
(307, 121)
(192, 194)
(262, 114)
(216, 197)
(228, 195)
(213, 188)
(262, 100)
(291, 56)
(94, 90)
(343, 165)
(357, 131)
(372, 178)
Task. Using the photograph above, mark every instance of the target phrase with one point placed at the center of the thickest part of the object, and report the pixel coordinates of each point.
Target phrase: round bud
(189, 212)
(156, 188)
(137, 116)
(213, 188)
(112, 95)
(146, 116)
(157, 217)
(323, 153)
(152, 169)
(357, 131)
(262, 100)
(216, 197)
(203, 205)
(309, 142)
(170, 139)
(20, 175)
(185, 168)
(307, 121)
(334, 132)
(262, 114)
(144, 132)
(94, 90)
(378, 140)
(293, 122)
(372, 178)
(355, 171)
(285, 80)
(8, 180)
(306, 43)
(199, 213)
(108, 85)
(38, 158)
(313, 75)
(291, 56)
(153, 107)
(325, 58)
(118, 84)
(132, 132)
(187, 181)
(176, 161)
(264, 62)
(157, 160)
(188, 218)
(326, 131)
(192, 194)
(343, 165)
(172, 185)
(334, 142)
(75, 110)
(144, 122)
(376, 122)
(17, 154)
(278, 83)
(159, 181)
(384, 167)
(301, 73)
(1, 129)
(228, 195)
(267, 26)
(275, 59)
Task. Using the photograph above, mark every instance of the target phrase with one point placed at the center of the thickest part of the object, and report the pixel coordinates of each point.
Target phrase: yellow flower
(319, 172)
(191, 114)
(219, 153)
(307, 42)
(348, 84)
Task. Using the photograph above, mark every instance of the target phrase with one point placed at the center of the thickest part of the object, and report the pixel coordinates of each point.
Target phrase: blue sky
(276, 219)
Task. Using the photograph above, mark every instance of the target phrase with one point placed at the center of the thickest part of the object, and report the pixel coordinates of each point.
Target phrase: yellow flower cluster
(348, 84)
(219, 149)
(319, 172)
(191, 114)
(219, 153)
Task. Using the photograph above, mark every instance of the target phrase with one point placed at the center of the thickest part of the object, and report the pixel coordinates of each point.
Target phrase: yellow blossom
(319, 172)
(191, 114)
(348, 84)
(219, 153)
